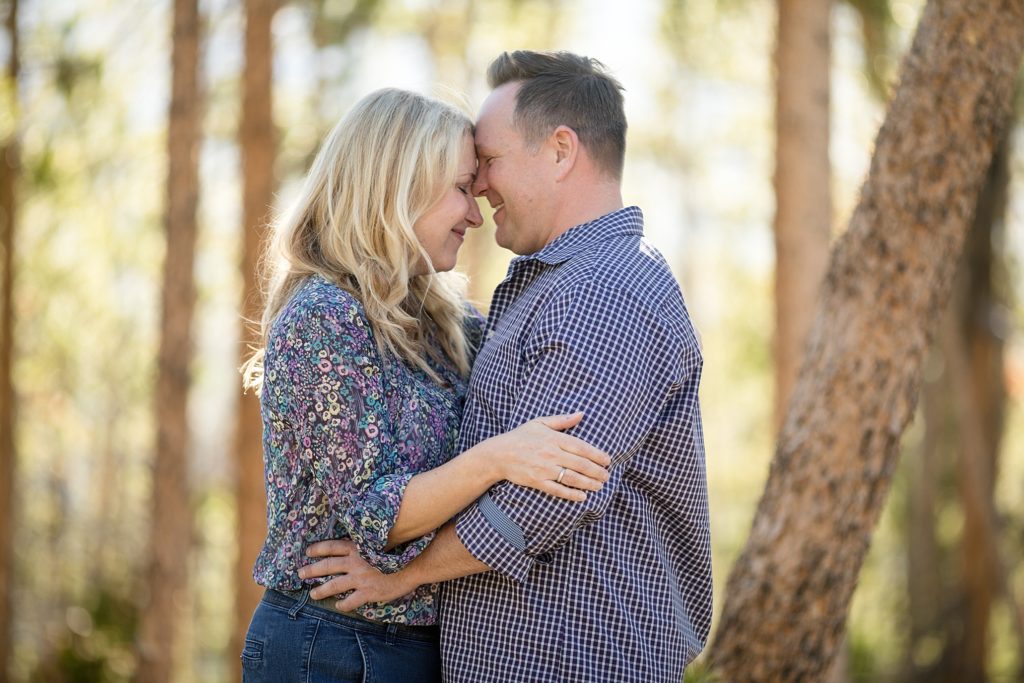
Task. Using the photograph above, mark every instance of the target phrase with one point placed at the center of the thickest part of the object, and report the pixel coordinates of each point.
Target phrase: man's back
(619, 587)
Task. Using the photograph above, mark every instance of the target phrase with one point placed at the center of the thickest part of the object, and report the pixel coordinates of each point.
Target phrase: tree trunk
(9, 168)
(890, 276)
(924, 558)
(171, 522)
(973, 346)
(258, 149)
(803, 205)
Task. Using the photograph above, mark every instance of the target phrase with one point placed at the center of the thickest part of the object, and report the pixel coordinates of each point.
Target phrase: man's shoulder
(627, 268)
(627, 273)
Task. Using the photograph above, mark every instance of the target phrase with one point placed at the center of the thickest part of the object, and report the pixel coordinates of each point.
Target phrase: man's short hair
(562, 88)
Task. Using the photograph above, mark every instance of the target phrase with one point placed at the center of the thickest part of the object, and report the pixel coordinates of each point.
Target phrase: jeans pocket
(252, 654)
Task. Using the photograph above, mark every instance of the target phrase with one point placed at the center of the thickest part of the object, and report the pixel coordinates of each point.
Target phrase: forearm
(432, 498)
(443, 560)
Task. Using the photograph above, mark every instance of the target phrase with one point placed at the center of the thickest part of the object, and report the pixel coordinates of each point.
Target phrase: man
(616, 588)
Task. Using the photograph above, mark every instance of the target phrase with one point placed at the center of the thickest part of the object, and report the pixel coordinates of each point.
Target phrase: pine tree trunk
(889, 277)
(803, 205)
(171, 522)
(9, 168)
(258, 148)
(974, 351)
(924, 559)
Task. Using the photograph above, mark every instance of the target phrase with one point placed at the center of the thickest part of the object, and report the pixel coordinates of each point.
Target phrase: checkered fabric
(617, 588)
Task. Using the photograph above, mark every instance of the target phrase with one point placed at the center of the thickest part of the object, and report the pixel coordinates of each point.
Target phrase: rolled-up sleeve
(613, 357)
(342, 427)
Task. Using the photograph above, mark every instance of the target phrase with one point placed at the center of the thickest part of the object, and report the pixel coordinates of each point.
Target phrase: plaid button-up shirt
(617, 588)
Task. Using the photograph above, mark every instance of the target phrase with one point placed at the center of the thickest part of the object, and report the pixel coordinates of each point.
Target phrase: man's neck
(589, 206)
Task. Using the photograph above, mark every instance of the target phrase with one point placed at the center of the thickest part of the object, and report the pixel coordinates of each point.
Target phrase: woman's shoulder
(473, 324)
(318, 302)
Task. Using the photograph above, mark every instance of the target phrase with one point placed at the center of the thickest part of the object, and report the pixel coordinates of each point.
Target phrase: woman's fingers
(553, 488)
(574, 479)
(584, 449)
(561, 422)
(585, 468)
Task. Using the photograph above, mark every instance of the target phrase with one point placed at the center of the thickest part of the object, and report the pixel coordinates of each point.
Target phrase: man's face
(511, 176)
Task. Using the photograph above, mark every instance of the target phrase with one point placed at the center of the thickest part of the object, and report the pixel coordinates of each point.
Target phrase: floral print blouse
(344, 430)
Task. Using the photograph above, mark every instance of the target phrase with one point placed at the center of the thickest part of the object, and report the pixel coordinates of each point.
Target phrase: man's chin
(502, 238)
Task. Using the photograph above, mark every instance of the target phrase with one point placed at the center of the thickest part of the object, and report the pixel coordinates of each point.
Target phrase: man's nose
(480, 184)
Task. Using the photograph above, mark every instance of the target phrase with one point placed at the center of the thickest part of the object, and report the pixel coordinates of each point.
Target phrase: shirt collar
(626, 221)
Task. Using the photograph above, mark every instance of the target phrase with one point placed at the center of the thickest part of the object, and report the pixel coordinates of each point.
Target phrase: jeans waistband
(297, 600)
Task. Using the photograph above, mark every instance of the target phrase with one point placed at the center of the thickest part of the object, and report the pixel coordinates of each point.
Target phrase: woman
(368, 345)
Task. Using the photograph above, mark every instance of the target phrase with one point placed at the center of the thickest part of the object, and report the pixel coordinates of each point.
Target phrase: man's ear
(566, 146)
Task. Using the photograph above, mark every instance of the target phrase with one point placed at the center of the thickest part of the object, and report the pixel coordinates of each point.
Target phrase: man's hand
(351, 573)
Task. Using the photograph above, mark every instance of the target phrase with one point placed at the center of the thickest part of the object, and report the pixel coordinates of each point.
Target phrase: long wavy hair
(386, 163)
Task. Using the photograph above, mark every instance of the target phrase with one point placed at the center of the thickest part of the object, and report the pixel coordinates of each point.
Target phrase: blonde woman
(368, 346)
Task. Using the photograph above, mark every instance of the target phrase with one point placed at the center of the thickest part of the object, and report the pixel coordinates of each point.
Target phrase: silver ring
(560, 475)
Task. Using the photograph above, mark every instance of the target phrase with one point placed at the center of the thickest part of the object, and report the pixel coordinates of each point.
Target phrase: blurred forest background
(129, 457)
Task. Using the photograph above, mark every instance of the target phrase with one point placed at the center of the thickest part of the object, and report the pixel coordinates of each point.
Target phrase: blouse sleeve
(338, 408)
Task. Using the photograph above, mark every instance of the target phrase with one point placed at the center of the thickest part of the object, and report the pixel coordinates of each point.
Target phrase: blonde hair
(383, 166)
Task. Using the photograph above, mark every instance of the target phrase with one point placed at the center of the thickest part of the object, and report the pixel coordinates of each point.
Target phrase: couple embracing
(521, 498)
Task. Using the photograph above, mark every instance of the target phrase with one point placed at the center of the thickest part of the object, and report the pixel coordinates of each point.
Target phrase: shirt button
(545, 558)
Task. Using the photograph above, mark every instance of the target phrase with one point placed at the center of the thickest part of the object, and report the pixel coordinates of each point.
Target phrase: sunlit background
(699, 97)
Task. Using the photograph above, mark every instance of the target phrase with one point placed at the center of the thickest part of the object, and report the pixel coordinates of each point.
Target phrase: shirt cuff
(494, 539)
(370, 518)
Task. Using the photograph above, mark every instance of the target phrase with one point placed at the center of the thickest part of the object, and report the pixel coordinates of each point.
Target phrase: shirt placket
(519, 277)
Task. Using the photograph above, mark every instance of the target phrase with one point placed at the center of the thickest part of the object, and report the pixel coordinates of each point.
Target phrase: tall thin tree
(803, 178)
(171, 522)
(972, 343)
(10, 164)
(890, 274)
(258, 149)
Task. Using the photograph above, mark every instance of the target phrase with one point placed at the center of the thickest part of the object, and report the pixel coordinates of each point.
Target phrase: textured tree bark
(257, 141)
(803, 204)
(889, 277)
(9, 168)
(171, 522)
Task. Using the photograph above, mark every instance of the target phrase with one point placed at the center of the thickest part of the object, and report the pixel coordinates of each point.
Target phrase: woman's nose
(473, 216)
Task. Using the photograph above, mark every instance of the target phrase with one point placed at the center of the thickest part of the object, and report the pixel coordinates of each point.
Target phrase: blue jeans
(290, 640)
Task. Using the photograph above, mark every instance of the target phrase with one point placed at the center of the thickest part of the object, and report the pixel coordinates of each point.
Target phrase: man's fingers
(328, 548)
(336, 586)
(326, 567)
(351, 602)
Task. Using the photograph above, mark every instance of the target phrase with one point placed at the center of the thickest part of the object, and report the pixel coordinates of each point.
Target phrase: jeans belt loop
(293, 612)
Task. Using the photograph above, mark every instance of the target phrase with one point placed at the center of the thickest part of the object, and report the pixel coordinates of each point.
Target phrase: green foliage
(95, 645)
(335, 20)
(877, 25)
(700, 672)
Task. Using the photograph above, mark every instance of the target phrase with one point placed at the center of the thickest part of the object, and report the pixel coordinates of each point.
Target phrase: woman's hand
(350, 572)
(538, 455)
